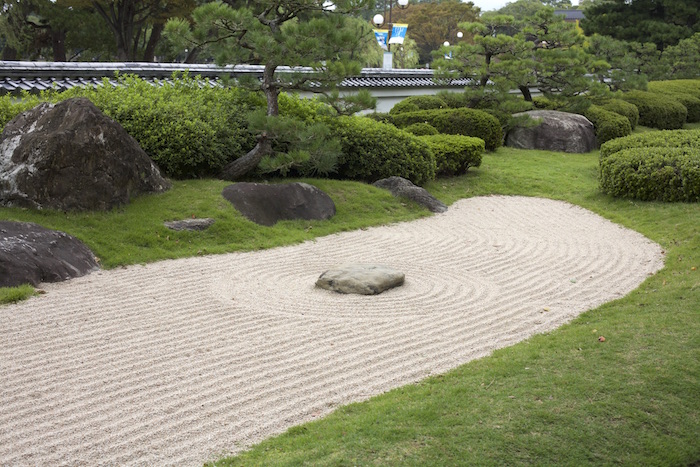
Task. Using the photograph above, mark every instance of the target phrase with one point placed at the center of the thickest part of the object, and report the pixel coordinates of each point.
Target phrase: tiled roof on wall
(38, 76)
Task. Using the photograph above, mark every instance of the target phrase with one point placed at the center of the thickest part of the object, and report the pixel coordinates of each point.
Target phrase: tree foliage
(431, 24)
(663, 22)
(281, 35)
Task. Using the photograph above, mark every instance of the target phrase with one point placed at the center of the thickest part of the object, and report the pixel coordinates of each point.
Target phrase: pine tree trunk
(526, 93)
(241, 166)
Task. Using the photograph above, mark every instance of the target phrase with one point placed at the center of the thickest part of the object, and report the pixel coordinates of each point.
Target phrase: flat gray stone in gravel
(364, 279)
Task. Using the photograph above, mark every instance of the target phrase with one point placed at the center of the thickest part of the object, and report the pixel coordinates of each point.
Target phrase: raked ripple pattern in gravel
(178, 362)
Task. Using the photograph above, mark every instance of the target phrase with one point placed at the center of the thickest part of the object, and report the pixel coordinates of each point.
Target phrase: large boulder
(71, 157)
(364, 279)
(266, 204)
(31, 254)
(556, 131)
(402, 188)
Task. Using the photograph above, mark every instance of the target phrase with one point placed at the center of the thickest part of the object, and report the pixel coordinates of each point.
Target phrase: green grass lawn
(557, 398)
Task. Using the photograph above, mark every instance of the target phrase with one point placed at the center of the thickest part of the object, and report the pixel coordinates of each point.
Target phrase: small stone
(364, 279)
(190, 224)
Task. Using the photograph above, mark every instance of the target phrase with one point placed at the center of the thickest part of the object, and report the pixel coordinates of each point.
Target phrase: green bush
(542, 103)
(381, 117)
(10, 106)
(657, 110)
(664, 139)
(304, 109)
(690, 87)
(421, 129)
(623, 108)
(608, 125)
(414, 103)
(454, 154)
(189, 128)
(462, 121)
(687, 94)
(652, 174)
(455, 100)
(371, 150)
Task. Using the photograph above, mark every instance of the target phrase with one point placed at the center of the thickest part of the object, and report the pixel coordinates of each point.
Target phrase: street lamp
(378, 19)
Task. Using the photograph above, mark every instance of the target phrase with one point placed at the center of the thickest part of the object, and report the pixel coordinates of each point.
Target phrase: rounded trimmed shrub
(371, 150)
(686, 95)
(454, 154)
(421, 129)
(652, 174)
(608, 125)
(657, 110)
(414, 103)
(623, 108)
(462, 121)
(663, 139)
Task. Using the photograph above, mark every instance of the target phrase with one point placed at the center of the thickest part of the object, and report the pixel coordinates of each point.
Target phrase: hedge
(415, 103)
(623, 108)
(652, 174)
(664, 139)
(608, 125)
(684, 86)
(421, 129)
(454, 154)
(686, 94)
(462, 121)
(371, 150)
(189, 128)
(657, 110)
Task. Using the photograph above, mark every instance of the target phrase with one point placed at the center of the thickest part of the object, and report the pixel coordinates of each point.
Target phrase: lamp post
(379, 20)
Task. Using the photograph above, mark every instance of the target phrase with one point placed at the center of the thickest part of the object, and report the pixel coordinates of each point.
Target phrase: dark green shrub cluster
(303, 109)
(381, 117)
(542, 103)
(421, 129)
(189, 128)
(455, 100)
(608, 125)
(454, 154)
(623, 108)
(414, 103)
(652, 174)
(371, 150)
(687, 93)
(657, 110)
(662, 139)
(462, 121)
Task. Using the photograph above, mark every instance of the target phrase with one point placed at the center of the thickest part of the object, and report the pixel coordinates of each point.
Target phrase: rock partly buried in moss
(400, 187)
(267, 204)
(364, 279)
(190, 224)
(71, 157)
(555, 131)
(31, 254)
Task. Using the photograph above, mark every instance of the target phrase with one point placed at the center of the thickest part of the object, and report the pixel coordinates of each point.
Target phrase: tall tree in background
(431, 24)
(279, 33)
(136, 25)
(663, 22)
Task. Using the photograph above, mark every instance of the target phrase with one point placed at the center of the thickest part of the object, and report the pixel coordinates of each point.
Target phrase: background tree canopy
(663, 22)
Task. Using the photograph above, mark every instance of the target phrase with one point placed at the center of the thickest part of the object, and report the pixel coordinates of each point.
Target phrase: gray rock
(190, 224)
(266, 204)
(31, 254)
(402, 188)
(364, 279)
(70, 156)
(557, 131)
